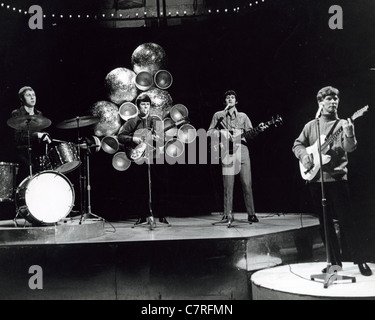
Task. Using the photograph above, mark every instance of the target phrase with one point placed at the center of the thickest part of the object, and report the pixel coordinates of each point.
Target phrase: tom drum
(64, 157)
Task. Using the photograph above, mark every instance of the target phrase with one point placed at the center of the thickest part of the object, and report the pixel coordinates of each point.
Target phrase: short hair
(327, 91)
(143, 98)
(230, 93)
(22, 91)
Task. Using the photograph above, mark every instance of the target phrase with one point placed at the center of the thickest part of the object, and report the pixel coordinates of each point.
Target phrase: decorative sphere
(144, 80)
(148, 57)
(169, 128)
(174, 148)
(163, 79)
(187, 133)
(120, 161)
(120, 85)
(109, 118)
(161, 102)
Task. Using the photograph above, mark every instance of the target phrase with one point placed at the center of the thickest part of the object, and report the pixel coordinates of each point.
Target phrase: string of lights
(138, 14)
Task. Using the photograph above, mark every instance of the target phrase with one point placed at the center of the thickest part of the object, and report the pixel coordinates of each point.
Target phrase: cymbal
(34, 122)
(78, 122)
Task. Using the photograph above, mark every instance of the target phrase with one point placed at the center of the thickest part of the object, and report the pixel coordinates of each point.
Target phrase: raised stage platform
(293, 282)
(190, 260)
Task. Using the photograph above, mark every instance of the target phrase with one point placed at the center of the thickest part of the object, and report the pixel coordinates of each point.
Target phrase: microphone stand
(150, 220)
(331, 271)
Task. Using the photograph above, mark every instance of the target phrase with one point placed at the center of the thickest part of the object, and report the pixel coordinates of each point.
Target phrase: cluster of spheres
(148, 75)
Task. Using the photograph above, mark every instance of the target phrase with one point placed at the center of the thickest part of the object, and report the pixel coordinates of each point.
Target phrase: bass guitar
(313, 150)
(224, 148)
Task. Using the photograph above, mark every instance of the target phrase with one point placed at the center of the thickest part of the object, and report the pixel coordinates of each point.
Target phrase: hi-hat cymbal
(78, 122)
(34, 122)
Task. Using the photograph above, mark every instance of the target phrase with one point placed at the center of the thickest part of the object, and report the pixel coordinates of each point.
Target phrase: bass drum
(45, 198)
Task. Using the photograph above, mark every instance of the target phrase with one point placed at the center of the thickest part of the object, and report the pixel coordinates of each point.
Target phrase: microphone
(319, 111)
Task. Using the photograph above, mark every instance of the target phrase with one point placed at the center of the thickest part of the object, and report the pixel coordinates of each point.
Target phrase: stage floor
(190, 260)
(293, 282)
(186, 228)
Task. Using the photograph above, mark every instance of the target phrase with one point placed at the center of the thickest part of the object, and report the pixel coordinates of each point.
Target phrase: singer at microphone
(234, 155)
(332, 174)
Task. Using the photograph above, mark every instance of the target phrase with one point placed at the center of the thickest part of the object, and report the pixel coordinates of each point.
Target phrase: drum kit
(47, 196)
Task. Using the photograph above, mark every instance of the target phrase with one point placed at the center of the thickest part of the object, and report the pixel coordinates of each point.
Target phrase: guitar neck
(255, 130)
(332, 138)
(335, 135)
(357, 114)
(247, 134)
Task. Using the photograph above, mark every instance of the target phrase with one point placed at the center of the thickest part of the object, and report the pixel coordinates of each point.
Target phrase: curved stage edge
(190, 260)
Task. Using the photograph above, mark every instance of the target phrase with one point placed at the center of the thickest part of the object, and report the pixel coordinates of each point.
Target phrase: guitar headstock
(360, 112)
(276, 122)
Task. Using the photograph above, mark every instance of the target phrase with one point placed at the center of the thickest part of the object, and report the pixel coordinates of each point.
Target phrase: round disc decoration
(109, 118)
(149, 57)
(120, 85)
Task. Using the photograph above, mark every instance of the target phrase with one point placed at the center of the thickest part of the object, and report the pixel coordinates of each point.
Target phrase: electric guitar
(325, 145)
(140, 151)
(224, 148)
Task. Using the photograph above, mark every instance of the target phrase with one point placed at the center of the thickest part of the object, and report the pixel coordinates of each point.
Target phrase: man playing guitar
(230, 124)
(136, 132)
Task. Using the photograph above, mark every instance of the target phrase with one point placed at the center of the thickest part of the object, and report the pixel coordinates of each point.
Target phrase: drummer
(39, 140)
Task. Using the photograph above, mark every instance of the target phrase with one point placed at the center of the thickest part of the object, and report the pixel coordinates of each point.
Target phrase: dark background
(276, 57)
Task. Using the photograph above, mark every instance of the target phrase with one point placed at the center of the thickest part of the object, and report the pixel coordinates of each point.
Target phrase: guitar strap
(332, 129)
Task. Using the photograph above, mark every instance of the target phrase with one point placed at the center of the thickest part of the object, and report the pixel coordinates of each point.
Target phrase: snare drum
(45, 198)
(8, 180)
(64, 157)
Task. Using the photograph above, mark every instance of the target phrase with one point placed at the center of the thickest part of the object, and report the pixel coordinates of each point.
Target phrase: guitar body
(325, 142)
(314, 151)
(136, 153)
(223, 149)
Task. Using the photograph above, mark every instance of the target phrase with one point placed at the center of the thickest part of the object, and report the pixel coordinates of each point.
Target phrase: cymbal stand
(80, 170)
(88, 188)
(29, 148)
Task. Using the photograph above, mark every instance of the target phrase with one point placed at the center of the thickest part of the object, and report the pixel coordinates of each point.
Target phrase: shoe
(163, 220)
(224, 218)
(142, 220)
(364, 269)
(252, 218)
